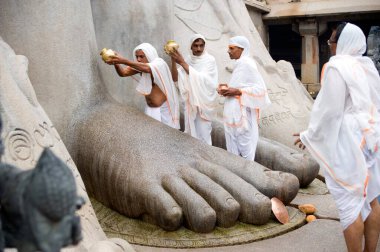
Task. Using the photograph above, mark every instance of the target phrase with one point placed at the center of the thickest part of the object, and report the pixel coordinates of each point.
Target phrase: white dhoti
(241, 112)
(344, 129)
(161, 114)
(351, 204)
(244, 143)
(155, 112)
(166, 115)
(201, 128)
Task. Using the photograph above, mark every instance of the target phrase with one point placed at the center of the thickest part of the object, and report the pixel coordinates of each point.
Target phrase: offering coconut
(170, 46)
(106, 53)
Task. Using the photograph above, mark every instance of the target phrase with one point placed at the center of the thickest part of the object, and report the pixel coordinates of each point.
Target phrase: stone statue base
(142, 233)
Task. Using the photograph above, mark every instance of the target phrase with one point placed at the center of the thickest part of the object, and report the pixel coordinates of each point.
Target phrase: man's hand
(115, 59)
(222, 86)
(177, 57)
(298, 141)
(229, 91)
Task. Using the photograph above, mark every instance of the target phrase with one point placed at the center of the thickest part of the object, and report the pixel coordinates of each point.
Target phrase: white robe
(168, 113)
(344, 129)
(241, 112)
(198, 92)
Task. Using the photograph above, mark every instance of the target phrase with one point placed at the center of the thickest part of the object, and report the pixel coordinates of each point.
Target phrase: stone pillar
(308, 29)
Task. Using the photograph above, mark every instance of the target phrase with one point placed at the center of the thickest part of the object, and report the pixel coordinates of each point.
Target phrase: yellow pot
(106, 53)
(170, 46)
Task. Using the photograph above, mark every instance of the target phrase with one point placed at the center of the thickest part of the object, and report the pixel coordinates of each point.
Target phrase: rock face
(217, 21)
(27, 130)
(128, 161)
(220, 20)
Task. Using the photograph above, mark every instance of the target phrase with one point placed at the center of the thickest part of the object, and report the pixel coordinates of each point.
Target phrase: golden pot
(106, 53)
(170, 46)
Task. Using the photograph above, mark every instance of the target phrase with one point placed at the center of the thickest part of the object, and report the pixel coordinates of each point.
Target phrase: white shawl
(247, 78)
(162, 77)
(345, 120)
(198, 88)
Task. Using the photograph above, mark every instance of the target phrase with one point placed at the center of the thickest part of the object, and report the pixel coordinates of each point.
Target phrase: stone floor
(320, 235)
(324, 234)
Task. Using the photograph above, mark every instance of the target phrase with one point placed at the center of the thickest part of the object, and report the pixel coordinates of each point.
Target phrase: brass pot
(106, 53)
(170, 46)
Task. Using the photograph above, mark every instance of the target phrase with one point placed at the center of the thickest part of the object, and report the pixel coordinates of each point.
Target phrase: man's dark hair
(339, 30)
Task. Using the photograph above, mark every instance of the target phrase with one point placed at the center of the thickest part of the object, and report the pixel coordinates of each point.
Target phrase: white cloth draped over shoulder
(198, 88)
(344, 131)
(247, 78)
(162, 77)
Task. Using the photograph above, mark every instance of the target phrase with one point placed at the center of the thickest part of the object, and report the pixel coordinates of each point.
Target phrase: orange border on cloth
(174, 119)
(240, 123)
(342, 183)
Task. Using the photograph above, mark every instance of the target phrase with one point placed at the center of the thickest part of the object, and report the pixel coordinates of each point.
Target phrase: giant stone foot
(279, 157)
(276, 156)
(142, 168)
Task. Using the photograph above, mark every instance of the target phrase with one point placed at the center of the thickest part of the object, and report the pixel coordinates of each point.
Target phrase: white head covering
(351, 41)
(149, 51)
(195, 37)
(241, 42)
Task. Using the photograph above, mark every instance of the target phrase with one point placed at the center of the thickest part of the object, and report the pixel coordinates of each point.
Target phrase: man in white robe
(246, 94)
(344, 133)
(154, 82)
(197, 78)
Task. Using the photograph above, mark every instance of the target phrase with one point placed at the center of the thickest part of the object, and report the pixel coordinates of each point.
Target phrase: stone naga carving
(128, 161)
(38, 206)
